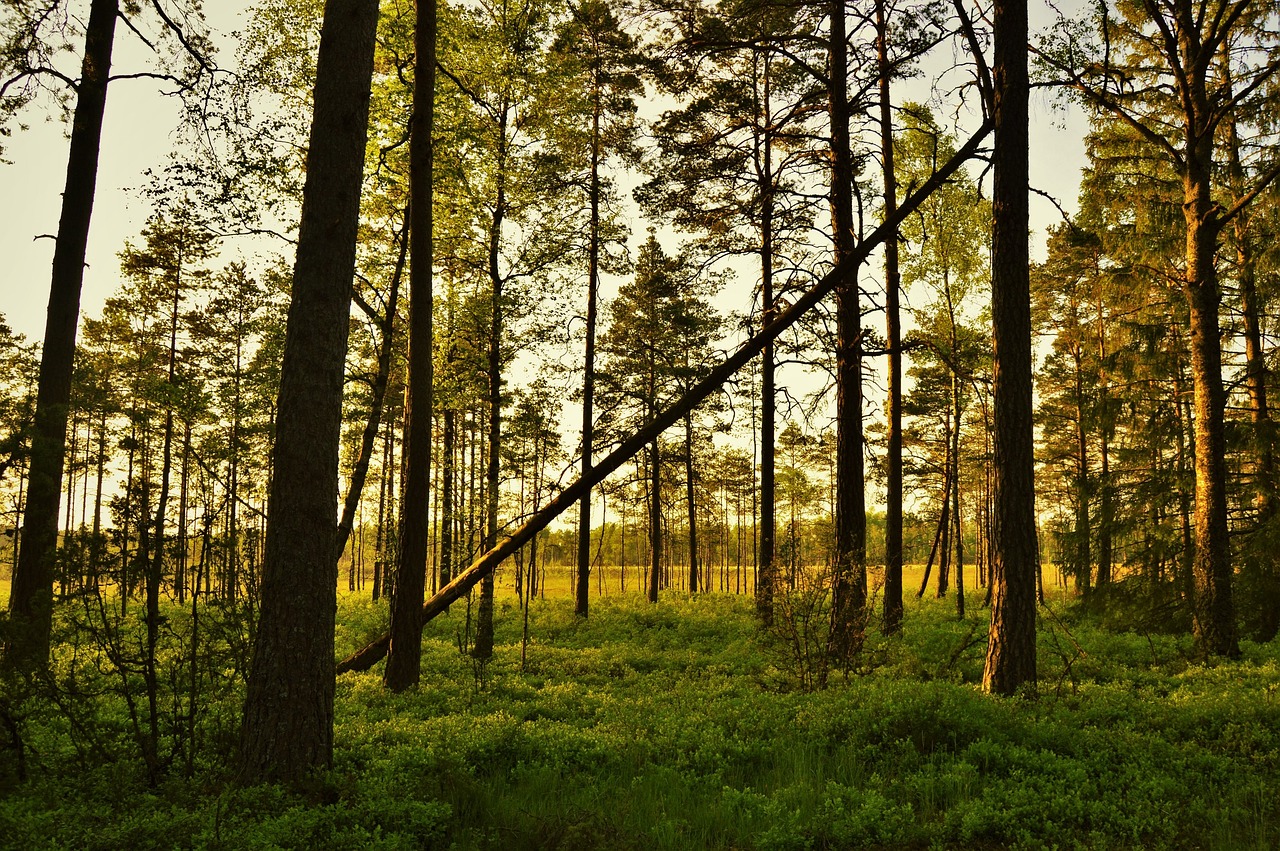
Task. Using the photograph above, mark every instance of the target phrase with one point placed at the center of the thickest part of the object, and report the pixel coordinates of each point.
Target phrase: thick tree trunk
(287, 730)
(1214, 608)
(31, 593)
(404, 659)
(1011, 647)
(849, 586)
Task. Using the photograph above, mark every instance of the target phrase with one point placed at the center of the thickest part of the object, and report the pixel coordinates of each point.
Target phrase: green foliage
(678, 726)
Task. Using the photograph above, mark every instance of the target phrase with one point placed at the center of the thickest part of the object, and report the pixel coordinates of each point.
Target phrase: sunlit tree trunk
(1011, 647)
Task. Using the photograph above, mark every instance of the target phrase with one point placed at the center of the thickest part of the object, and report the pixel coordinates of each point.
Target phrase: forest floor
(685, 726)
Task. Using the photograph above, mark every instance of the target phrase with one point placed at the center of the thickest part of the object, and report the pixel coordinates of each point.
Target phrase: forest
(744, 467)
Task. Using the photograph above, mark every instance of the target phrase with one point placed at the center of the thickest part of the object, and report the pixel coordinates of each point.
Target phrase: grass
(683, 726)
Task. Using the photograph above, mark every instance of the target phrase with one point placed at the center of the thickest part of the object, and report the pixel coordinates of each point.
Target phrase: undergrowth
(683, 726)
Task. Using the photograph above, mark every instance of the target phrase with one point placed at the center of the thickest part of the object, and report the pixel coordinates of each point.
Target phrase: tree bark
(582, 586)
(31, 593)
(404, 658)
(1011, 647)
(849, 591)
(655, 520)
(766, 565)
(893, 337)
(483, 647)
(1214, 606)
(690, 500)
(1082, 555)
(287, 731)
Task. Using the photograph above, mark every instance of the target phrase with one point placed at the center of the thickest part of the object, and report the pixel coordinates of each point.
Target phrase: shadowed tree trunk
(849, 591)
(404, 660)
(287, 731)
(31, 593)
(1011, 647)
(766, 568)
(582, 586)
(893, 336)
(655, 520)
(690, 489)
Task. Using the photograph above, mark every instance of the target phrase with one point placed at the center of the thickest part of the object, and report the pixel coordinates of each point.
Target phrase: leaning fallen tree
(367, 656)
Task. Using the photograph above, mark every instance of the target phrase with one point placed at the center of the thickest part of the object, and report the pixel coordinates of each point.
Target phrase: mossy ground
(683, 726)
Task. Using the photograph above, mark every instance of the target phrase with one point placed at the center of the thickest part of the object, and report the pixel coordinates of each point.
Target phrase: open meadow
(686, 726)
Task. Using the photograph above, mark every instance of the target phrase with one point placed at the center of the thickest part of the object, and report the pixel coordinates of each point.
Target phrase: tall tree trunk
(381, 536)
(483, 647)
(1106, 511)
(1263, 566)
(287, 731)
(127, 521)
(766, 566)
(949, 483)
(447, 520)
(99, 552)
(655, 521)
(184, 479)
(1011, 647)
(1183, 415)
(582, 586)
(1083, 529)
(404, 659)
(849, 591)
(692, 504)
(31, 593)
(957, 532)
(1214, 607)
(766, 569)
(893, 337)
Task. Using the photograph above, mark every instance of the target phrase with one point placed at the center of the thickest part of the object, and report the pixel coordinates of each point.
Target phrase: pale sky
(136, 137)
